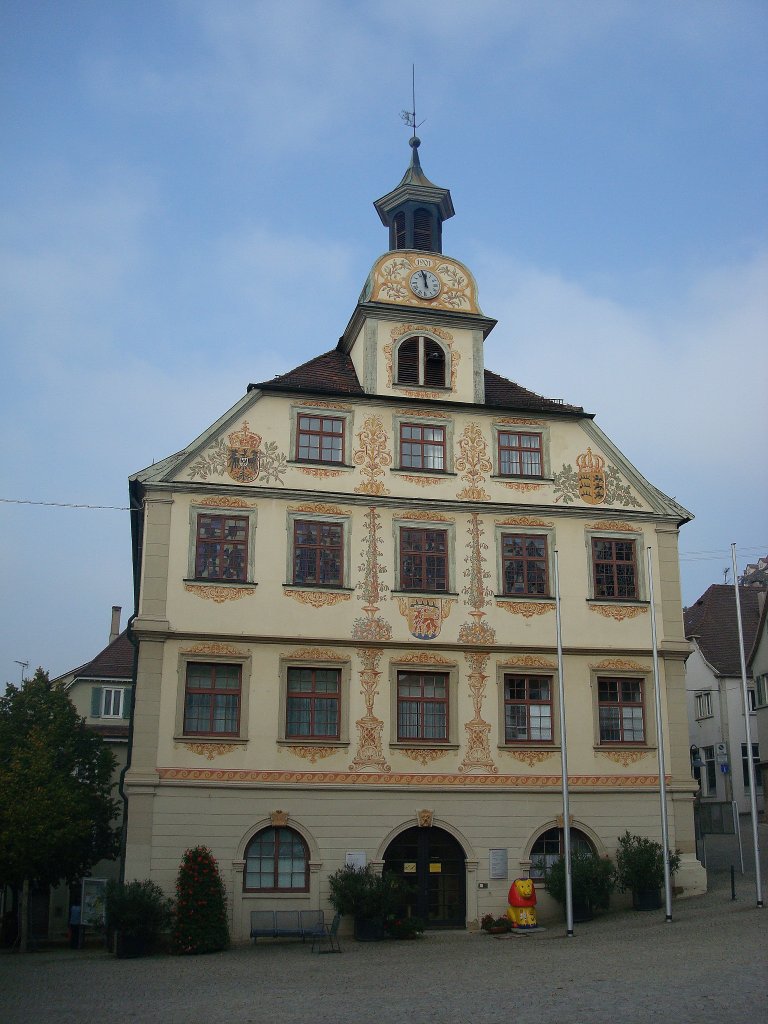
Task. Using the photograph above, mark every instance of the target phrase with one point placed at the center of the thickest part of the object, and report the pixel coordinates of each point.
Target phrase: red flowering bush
(201, 924)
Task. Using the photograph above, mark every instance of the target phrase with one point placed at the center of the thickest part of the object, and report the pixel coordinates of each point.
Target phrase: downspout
(137, 542)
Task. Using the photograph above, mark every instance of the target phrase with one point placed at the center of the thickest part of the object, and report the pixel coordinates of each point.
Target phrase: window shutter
(434, 364)
(95, 702)
(127, 702)
(408, 362)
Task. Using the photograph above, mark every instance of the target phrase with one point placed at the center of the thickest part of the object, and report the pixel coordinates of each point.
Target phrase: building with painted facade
(346, 617)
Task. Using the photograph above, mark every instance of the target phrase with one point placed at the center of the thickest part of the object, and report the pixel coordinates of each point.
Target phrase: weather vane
(409, 116)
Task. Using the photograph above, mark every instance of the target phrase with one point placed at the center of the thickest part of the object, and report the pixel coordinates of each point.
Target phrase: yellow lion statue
(522, 903)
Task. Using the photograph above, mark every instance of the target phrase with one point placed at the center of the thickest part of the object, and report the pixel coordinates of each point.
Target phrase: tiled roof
(502, 392)
(331, 373)
(712, 620)
(334, 373)
(114, 662)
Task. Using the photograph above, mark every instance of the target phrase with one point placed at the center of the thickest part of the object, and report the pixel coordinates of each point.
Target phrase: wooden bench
(282, 924)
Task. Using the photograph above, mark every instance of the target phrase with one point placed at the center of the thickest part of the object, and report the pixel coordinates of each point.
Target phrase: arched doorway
(433, 864)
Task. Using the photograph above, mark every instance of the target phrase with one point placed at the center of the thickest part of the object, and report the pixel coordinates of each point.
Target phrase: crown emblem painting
(591, 478)
(244, 458)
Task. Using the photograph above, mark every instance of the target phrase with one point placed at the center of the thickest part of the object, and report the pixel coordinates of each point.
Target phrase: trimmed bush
(201, 905)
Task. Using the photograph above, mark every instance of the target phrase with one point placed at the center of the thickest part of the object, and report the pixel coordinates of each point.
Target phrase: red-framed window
(524, 564)
(421, 361)
(422, 706)
(615, 568)
(621, 710)
(527, 709)
(423, 560)
(422, 446)
(320, 439)
(276, 860)
(519, 453)
(318, 553)
(221, 548)
(313, 703)
(212, 700)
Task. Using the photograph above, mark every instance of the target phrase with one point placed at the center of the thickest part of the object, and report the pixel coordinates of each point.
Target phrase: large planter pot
(646, 899)
(128, 946)
(369, 929)
(582, 911)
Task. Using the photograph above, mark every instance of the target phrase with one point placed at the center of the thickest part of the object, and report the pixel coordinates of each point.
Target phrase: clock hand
(424, 278)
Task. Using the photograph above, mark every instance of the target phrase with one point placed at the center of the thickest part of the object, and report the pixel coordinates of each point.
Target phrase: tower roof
(415, 186)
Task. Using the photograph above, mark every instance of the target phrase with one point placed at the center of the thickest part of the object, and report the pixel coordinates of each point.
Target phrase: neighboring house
(346, 617)
(714, 685)
(101, 692)
(758, 666)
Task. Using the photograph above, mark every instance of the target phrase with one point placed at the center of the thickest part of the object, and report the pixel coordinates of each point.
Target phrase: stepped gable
(332, 373)
(712, 621)
(506, 394)
(114, 662)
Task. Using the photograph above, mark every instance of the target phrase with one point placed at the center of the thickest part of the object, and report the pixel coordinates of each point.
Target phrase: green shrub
(592, 879)
(640, 863)
(140, 910)
(361, 892)
(201, 905)
(404, 927)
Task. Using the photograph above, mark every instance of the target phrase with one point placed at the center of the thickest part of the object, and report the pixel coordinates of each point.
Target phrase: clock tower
(414, 211)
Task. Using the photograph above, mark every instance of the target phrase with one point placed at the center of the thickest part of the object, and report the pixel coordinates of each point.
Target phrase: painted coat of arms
(591, 478)
(244, 459)
(424, 615)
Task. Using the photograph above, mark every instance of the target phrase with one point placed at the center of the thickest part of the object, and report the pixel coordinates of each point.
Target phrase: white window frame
(114, 692)
(703, 704)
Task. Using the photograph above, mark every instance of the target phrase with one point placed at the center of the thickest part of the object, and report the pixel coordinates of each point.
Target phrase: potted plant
(495, 925)
(404, 927)
(640, 868)
(368, 897)
(592, 882)
(136, 912)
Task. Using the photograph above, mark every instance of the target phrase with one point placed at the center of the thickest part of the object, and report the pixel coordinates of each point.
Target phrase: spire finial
(409, 116)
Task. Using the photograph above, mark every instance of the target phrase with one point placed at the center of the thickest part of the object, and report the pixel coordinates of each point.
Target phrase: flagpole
(564, 761)
(750, 762)
(660, 740)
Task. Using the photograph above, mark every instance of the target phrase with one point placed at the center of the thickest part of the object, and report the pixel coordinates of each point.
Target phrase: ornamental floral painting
(241, 457)
(594, 482)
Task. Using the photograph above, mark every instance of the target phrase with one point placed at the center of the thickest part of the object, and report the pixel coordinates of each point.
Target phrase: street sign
(725, 768)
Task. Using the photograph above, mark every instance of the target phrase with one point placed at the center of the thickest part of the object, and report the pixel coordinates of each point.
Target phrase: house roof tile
(334, 373)
(712, 621)
(114, 662)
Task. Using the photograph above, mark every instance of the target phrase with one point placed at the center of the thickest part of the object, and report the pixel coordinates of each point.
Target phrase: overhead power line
(63, 504)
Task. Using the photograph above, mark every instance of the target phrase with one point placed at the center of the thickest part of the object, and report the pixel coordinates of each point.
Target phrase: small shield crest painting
(424, 619)
(244, 457)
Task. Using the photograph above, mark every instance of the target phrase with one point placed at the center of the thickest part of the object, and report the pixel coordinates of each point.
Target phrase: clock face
(424, 284)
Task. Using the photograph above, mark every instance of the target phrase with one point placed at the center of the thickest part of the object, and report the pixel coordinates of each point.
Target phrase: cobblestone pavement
(707, 965)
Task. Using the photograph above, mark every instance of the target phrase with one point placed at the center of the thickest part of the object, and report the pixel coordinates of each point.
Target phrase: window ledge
(324, 464)
(310, 741)
(619, 600)
(205, 737)
(423, 745)
(214, 582)
(534, 745)
(418, 470)
(522, 478)
(396, 384)
(524, 597)
(643, 747)
(424, 593)
(280, 894)
(332, 589)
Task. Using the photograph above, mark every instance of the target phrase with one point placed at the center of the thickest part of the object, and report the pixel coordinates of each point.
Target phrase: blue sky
(186, 208)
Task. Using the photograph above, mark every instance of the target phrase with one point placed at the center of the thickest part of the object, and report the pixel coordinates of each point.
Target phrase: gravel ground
(707, 965)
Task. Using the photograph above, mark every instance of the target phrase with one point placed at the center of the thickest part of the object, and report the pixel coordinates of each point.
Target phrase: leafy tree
(201, 905)
(57, 815)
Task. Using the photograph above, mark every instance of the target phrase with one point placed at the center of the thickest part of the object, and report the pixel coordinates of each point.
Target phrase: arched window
(276, 860)
(549, 846)
(400, 231)
(422, 230)
(421, 361)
